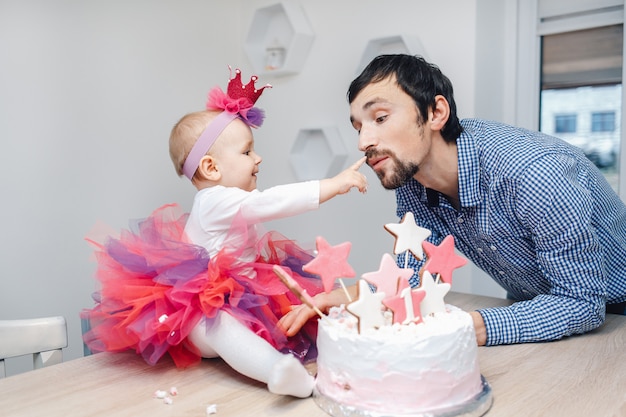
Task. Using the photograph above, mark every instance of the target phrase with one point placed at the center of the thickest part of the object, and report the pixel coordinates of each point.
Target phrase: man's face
(391, 133)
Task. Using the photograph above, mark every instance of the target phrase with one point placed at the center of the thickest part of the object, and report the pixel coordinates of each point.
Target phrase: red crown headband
(238, 101)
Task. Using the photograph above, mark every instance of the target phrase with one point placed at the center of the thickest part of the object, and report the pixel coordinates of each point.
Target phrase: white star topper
(367, 308)
(433, 302)
(409, 236)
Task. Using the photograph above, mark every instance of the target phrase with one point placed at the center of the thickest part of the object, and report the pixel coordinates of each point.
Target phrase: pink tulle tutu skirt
(155, 287)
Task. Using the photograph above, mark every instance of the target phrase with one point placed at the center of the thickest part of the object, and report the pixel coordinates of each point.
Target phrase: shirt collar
(469, 176)
(469, 169)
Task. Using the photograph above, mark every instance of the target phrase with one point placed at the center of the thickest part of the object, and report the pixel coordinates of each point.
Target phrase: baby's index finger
(358, 163)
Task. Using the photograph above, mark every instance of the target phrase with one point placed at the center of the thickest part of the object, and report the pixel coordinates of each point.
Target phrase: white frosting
(398, 368)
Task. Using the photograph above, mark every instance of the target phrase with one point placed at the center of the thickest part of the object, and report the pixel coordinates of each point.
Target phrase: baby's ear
(208, 170)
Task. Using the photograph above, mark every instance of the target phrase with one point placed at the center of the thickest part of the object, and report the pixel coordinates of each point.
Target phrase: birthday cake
(396, 369)
(397, 350)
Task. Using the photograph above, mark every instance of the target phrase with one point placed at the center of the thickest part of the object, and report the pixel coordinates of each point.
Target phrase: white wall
(88, 94)
(90, 90)
(496, 45)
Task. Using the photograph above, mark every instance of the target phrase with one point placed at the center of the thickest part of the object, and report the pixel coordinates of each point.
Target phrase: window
(565, 123)
(569, 53)
(603, 122)
(581, 89)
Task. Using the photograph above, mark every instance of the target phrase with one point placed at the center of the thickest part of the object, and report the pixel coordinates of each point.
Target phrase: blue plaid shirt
(541, 220)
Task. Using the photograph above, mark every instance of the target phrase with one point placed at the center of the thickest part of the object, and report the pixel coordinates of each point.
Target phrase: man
(528, 209)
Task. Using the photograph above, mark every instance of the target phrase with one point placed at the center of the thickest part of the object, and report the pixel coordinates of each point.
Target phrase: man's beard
(403, 171)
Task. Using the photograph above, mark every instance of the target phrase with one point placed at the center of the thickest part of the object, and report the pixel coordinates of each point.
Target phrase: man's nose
(366, 139)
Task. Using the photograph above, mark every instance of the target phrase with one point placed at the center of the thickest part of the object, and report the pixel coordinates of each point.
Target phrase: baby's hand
(343, 182)
(292, 322)
(351, 177)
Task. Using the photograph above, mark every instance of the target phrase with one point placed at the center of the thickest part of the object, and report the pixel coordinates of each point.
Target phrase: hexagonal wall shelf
(399, 44)
(317, 153)
(279, 39)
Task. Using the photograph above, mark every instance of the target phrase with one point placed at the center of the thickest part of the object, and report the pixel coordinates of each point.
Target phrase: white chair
(42, 337)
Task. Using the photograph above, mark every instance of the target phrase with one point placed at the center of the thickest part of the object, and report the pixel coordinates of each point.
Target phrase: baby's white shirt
(215, 208)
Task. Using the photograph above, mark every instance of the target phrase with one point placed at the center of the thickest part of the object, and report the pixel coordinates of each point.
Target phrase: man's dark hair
(416, 77)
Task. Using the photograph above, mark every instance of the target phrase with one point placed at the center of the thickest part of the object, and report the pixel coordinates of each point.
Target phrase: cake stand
(475, 407)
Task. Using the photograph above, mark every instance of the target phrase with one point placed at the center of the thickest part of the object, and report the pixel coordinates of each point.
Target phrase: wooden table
(577, 376)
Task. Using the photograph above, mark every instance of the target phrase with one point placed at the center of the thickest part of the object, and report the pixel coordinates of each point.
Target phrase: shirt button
(480, 250)
(493, 247)
(460, 220)
(502, 272)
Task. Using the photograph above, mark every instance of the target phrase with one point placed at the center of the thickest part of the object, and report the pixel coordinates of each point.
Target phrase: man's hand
(479, 327)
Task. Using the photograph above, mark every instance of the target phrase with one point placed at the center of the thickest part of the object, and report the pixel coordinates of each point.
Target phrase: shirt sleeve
(554, 200)
(281, 201)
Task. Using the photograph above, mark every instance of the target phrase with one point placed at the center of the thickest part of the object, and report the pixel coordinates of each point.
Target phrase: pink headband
(237, 102)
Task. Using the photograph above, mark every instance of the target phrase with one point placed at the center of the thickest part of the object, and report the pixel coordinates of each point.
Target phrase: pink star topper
(406, 306)
(442, 259)
(386, 278)
(330, 263)
(413, 301)
(397, 306)
(396, 303)
(409, 236)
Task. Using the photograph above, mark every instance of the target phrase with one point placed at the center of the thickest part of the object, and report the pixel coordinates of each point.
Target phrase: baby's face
(236, 159)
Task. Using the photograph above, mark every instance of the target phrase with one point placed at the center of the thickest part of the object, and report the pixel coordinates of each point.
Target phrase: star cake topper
(442, 259)
(405, 305)
(409, 236)
(433, 301)
(367, 307)
(330, 263)
(387, 277)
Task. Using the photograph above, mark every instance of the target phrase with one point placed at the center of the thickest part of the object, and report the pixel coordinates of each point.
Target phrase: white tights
(251, 355)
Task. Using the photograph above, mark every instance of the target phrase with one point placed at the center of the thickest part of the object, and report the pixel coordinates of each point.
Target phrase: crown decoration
(236, 89)
(239, 99)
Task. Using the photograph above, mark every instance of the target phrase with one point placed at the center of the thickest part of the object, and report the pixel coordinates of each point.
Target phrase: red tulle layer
(155, 287)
